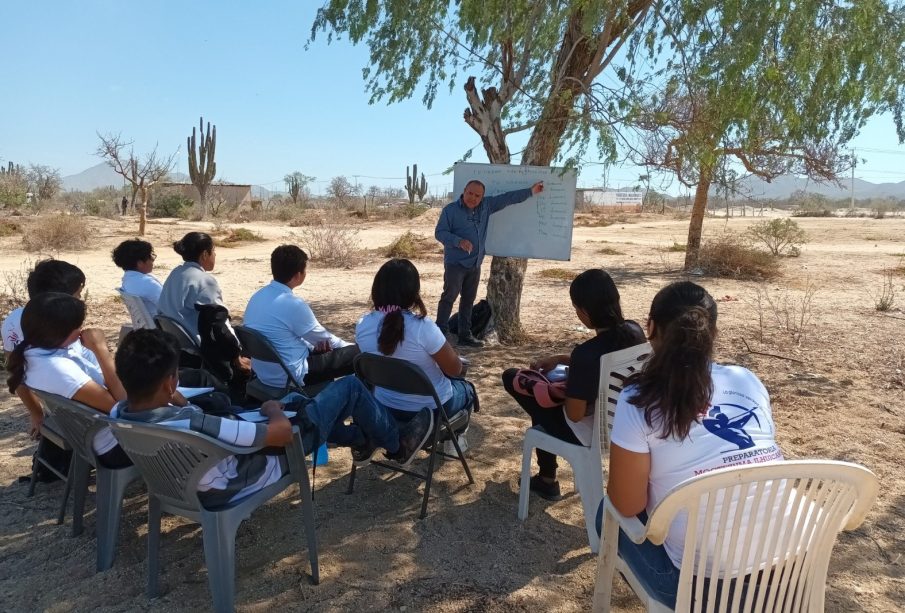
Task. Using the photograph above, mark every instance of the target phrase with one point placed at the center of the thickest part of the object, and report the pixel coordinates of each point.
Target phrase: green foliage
(170, 205)
(13, 185)
(238, 235)
(781, 236)
(202, 167)
(411, 211)
(297, 185)
(413, 187)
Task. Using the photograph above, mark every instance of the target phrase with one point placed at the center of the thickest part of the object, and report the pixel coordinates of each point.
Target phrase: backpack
(481, 320)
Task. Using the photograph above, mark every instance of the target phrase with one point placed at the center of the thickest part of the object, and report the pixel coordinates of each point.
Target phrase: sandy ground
(837, 393)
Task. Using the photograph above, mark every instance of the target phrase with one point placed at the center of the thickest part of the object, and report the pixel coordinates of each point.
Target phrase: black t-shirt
(584, 368)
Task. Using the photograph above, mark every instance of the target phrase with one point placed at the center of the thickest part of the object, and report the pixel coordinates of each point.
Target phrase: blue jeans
(650, 563)
(344, 398)
(458, 280)
(462, 398)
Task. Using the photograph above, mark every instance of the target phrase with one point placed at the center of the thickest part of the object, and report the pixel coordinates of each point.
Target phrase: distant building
(232, 194)
(626, 200)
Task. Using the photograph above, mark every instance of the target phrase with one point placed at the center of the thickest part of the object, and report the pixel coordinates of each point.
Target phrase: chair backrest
(258, 347)
(77, 422)
(781, 517)
(615, 368)
(141, 318)
(394, 374)
(172, 460)
(187, 342)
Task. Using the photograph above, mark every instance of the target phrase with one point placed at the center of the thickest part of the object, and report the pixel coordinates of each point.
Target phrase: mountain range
(101, 175)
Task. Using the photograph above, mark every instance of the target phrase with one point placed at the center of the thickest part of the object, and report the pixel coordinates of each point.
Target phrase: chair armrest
(633, 527)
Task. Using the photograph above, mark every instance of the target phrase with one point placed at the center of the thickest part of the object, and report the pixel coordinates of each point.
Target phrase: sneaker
(545, 489)
(470, 341)
(412, 437)
(450, 449)
(361, 456)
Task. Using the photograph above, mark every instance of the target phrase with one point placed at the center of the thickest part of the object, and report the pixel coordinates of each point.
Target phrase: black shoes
(545, 489)
(469, 341)
(361, 456)
(412, 437)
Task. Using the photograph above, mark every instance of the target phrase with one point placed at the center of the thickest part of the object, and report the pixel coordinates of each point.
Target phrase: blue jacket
(458, 222)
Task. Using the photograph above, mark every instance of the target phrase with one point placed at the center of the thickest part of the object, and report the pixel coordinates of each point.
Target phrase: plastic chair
(141, 318)
(781, 525)
(50, 432)
(78, 424)
(586, 462)
(407, 378)
(172, 462)
(187, 343)
(258, 347)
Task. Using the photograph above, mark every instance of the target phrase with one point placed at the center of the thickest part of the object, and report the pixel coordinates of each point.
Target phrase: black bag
(481, 320)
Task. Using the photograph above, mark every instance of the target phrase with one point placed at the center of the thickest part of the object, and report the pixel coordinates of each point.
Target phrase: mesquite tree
(202, 167)
(141, 173)
(297, 185)
(540, 66)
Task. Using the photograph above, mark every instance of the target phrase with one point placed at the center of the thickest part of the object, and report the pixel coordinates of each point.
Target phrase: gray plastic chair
(407, 378)
(141, 318)
(78, 424)
(258, 347)
(50, 432)
(172, 462)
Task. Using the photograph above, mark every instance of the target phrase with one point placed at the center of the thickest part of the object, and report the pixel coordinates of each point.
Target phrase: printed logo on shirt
(13, 338)
(728, 422)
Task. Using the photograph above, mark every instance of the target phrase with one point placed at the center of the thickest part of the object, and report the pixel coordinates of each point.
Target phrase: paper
(191, 392)
(256, 417)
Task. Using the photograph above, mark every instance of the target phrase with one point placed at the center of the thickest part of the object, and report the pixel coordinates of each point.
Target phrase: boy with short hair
(147, 364)
(136, 257)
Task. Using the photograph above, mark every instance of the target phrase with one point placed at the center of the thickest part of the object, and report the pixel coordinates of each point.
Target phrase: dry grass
(57, 233)
(410, 246)
(238, 235)
(331, 244)
(558, 274)
(731, 256)
(609, 251)
(675, 248)
(9, 228)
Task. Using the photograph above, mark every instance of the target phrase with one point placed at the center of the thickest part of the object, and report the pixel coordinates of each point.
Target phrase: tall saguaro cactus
(202, 167)
(413, 186)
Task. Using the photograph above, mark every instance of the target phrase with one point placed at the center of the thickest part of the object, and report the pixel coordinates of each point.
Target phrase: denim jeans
(458, 280)
(344, 398)
(462, 398)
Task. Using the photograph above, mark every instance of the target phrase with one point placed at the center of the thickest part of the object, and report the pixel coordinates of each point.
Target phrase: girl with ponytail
(191, 283)
(596, 301)
(682, 415)
(398, 327)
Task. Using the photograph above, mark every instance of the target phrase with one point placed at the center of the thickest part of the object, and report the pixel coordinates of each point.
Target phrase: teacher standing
(462, 229)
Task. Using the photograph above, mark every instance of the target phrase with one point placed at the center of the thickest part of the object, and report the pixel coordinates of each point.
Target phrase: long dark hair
(596, 293)
(675, 383)
(396, 288)
(192, 245)
(47, 320)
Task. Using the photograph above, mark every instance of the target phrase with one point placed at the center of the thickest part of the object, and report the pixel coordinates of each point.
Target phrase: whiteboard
(540, 227)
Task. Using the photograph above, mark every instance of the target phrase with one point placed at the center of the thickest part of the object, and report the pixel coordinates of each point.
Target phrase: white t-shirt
(421, 340)
(145, 286)
(64, 372)
(12, 329)
(737, 429)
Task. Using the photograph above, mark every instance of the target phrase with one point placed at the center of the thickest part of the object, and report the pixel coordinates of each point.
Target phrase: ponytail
(392, 330)
(675, 387)
(15, 366)
(396, 289)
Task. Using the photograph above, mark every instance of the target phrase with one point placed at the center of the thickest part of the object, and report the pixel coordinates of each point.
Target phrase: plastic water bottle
(320, 457)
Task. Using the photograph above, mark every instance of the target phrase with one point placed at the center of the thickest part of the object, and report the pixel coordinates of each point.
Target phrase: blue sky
(148, 70)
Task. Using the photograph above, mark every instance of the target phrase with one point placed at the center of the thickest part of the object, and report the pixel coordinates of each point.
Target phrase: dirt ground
(835, 377)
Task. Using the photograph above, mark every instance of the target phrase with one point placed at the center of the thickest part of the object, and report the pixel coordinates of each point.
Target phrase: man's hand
(177, 399)
(242, 364)
(94, 339)
(537, 188)
(465, 245)
(323, 347)
(271, 408)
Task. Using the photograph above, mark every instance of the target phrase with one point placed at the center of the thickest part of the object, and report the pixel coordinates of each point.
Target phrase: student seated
(399, 327)
(57, 356)
(136, 257)
(147, 362)
(596, 302)
(191, 283)
(679, 417)
(47, 276)
(311, 351)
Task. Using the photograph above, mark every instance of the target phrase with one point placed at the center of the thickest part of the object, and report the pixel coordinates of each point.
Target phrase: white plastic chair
(141, 318)
(586, 462)
(783, 522)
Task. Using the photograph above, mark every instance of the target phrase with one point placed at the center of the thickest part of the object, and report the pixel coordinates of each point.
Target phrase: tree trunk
(693, 247)
(143, 213)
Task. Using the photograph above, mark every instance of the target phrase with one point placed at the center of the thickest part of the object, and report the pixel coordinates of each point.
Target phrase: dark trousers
(552, 420)
(330, 365)
(461, 283)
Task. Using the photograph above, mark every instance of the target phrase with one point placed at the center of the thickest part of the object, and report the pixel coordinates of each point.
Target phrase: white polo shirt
(289, 324)
(64, 371)
(12, 329)
(421, 340)
(145, 286)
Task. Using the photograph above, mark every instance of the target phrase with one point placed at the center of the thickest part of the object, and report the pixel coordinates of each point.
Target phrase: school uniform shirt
(583, 382)
(737, 429)
(12, 329)
(421, 340)
(232, 478)
(188, 284)
(145, 286)
(64, 371)
(289, 324)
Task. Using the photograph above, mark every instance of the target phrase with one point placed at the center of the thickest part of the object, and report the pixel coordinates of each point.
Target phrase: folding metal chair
(407, 378)
(259, 348)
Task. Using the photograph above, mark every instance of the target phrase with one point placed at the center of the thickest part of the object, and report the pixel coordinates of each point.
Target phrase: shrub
(609, 251)
(559, 274)
(813, 213)
(14, 290)
(732, 256)
(238, 235)
(170, 205)
(332, 244)
(57, 233)
(781, 236)
(409, 245)
(9, 228)
(411, 211)
(885, 297)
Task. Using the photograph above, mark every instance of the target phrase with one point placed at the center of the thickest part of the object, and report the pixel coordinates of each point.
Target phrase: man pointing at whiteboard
(462, 229)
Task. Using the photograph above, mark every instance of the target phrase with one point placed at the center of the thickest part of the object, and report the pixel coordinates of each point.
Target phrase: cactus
(202, 167)
(413, 186)
(11, 170)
